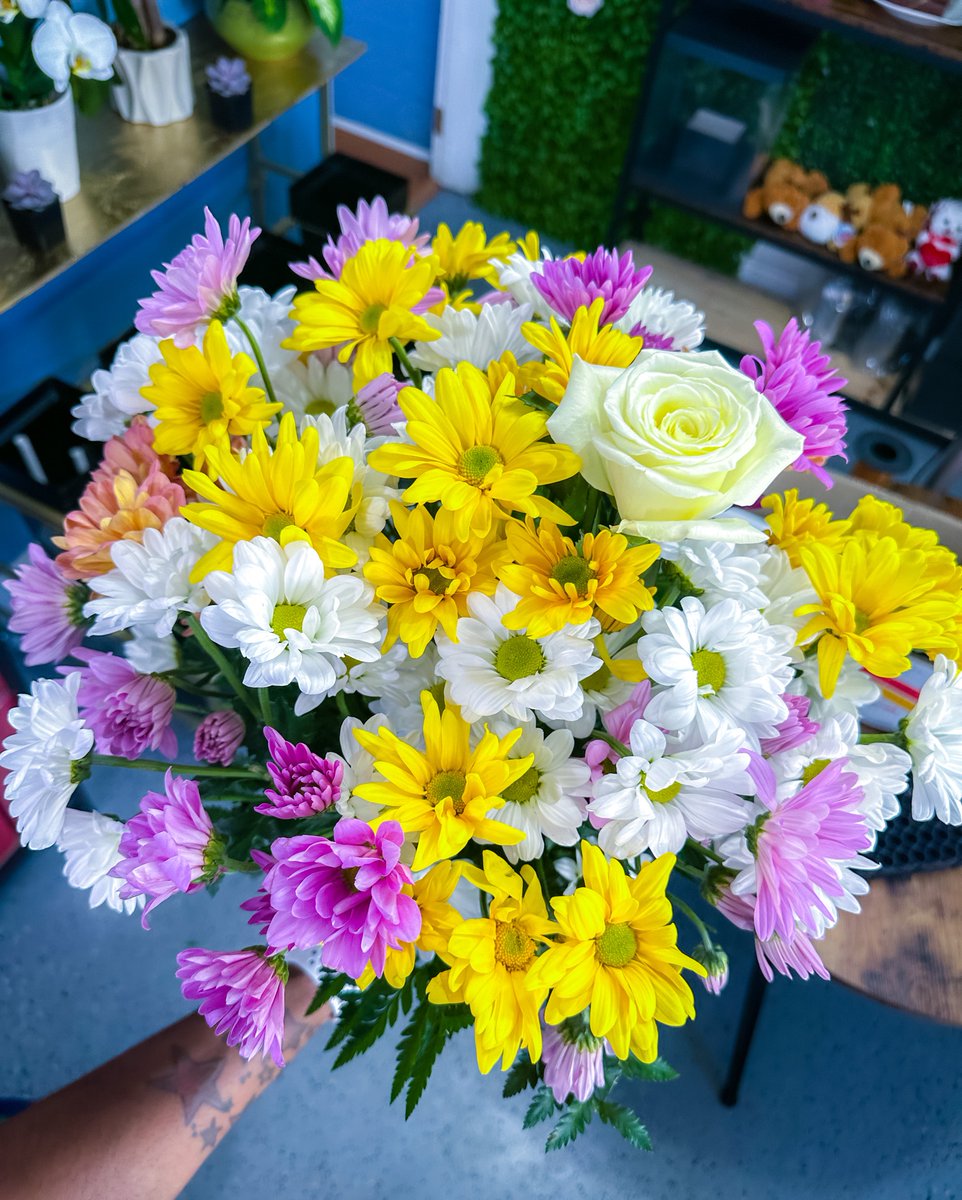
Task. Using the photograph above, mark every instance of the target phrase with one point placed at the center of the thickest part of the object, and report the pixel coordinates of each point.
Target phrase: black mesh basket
(907, 846)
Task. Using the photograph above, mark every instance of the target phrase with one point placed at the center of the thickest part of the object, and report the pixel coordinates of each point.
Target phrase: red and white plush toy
(939, 244)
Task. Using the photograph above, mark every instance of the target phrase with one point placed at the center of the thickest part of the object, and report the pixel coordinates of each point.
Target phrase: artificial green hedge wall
(563, 98)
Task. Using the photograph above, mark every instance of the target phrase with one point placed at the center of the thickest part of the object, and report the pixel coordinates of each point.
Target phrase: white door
(461, 82)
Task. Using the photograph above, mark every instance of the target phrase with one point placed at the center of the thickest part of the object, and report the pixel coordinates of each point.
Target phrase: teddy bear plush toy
(938, 245)
(785, 192)
(877, 248)
(822, 220)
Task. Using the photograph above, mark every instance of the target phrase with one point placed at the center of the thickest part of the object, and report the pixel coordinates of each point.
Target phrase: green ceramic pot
(234, 20)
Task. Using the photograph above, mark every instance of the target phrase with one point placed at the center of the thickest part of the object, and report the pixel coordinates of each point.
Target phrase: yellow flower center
(288, 616)
(275, 524)
(476, 462)
(211, 407)
(617, 945)
(447, 785)
(710, 669)
(573, 569)
(512, 946)
(661, 795)
(320, 406)
(437, 582)
(813, 769)
(523, 789)
(371, 317)
(517, 657)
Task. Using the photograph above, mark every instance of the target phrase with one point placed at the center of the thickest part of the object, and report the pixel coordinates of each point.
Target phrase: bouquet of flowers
(464, 559)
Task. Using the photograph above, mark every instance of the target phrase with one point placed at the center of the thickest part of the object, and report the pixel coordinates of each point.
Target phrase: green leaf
(533, 400)
(329, 985)
(574, 1120)
(625, 1121)
(543, 1105)
(655, 1072)
(365, 1016)
(522, 1074)
(129, 22)
(441, 1023)
(328, 16)
(271, 13)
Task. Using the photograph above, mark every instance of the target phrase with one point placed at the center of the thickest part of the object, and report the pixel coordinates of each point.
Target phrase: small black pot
(37, 231)
(233, 113)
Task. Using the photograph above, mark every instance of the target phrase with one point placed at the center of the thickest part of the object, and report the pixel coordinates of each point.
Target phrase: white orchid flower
(30, 8)
(68, 43)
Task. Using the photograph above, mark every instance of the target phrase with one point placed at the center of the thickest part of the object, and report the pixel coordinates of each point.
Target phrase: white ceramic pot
(45, 140)
(155, 86)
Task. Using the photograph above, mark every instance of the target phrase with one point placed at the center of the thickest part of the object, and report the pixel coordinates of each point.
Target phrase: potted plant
(231, 98)
(271, 30)
(49, 56)
(34, 211)
(153, 83)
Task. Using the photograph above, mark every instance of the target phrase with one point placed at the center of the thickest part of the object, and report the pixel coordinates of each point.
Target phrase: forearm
(143, 1123)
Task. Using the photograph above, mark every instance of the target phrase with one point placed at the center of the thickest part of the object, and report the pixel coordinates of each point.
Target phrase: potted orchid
(154, 85)
(34, 211)
(49, 55)
(271, 30)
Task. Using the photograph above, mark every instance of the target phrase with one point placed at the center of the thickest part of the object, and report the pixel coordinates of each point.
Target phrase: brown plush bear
(858, 205)
(901, 216)
(785, 191)
(877, 248)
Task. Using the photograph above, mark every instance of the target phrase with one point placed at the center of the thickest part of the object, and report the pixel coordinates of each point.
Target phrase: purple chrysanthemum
(46, 609)
(715, 961)
(794, 730)
(573, 1060)
(783, 955)
(218, 737)
(572, 283)
(169, 846)
(304, 783)
(200, 283)
(800, 382)
(377, 405)
(128, 712)
(344, 892)
(241, 993)
(369, 222)
(618, 723)
(259, 905)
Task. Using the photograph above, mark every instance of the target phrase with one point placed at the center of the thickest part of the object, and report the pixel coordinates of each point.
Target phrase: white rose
(676, 439)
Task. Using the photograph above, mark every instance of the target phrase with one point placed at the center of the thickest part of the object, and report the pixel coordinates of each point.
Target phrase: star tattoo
(194, 1082)
(209, 1136)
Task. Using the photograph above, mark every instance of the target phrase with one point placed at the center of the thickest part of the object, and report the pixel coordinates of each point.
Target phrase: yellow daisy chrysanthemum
(445, 792)
(562, 584)
(201, 396)
(605, 347)
(468, 255)
(439, 918)
(490, 961)
(284, 493)
(482, 457)
(530, 245)
(877, 603)
(878, 517)
(619, 956)
(526, 375)
(793, 523)
(372, 301)
(427, 574)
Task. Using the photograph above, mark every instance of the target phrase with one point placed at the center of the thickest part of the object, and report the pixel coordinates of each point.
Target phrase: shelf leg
(751, 1007)
(326, 98)
(256, 182)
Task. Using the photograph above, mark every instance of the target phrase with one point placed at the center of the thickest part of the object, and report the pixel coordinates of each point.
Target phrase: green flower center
(617, 945)
(710, 669)
(814, 768)
(320, 406)
(447, 785)
(573, 569)
(752, 832)
(229, 306)
(517, 657)
(661, 795)
(476, 462)
(77, 596)
(512, 946)
(523, 789)
(80, 768)
(371, 317)
(275, 524)
(288, 616)
(211, 407)
(437, 582)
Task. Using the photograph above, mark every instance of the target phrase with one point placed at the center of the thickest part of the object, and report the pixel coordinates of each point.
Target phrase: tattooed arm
(142, 1124)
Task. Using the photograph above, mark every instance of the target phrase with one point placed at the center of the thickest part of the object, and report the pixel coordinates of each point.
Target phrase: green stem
(267, 710)
(247, 866)
(691, 872)
(868, 739)
(191, 708)
(193, 690)
(342, 706)
(543, 876)
(261, 365)
(698, 848)
(153, 764)
(695, 919)
(402, 356)
(613, 742)
(220, 658)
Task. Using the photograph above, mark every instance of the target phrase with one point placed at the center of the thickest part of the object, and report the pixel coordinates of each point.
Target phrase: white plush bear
(939, 244)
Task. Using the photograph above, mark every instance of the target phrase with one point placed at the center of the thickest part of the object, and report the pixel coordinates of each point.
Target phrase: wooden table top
(905, 947)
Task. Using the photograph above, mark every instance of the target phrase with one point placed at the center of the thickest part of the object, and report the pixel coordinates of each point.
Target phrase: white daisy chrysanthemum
(854, 689)
(268, 319)
(933, 735)
(90, 843)
(107, 410)
(496, 672)
(670, 789)
(475, 338)
(309, 387)
(664, 322)
(149, 654)
(43, 756)
(721, 570)
(786, 588)
(550, 797)
(606, 689)
(514, 277)
(290, 621)
(358, 767)
(400, 701)
(150, 583)
(369, 678)
(724, 662)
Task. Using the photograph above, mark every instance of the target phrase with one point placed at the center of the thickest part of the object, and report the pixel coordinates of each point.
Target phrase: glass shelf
(128, 170)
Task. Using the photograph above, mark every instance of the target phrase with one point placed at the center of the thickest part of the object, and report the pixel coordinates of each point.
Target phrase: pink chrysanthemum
(241, 993)
(377, 405)
(218, 737)
(797, 849)
(783, 955)
(47, 609)
(371, 221)
(800, 382)
(200, 283)
(259, 905)
(133, 451)
(344, 892)
(128, 712)
(618, 723)
(573, 1060)
(715, 961)
(794, 730)
(572, 283)
(304, 783)
(169, 846)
